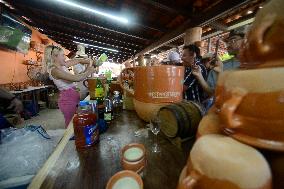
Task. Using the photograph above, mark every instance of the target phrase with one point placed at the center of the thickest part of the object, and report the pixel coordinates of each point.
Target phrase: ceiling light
(249, 12)
(117, 18)
(114, 50)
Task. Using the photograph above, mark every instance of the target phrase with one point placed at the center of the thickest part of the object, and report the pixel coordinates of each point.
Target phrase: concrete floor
(49, 119)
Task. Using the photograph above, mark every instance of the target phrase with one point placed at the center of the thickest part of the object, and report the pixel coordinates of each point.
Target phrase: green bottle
(99, 93)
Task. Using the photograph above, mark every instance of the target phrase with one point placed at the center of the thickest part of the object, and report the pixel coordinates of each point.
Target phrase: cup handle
(190, 181)
(121, 81)
(85, 83)
(229, 107)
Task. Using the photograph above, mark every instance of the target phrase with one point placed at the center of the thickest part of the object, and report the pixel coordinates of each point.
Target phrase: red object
(85, 129)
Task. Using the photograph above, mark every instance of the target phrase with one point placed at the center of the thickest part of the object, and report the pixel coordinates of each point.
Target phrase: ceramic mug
(251, 106)
(125, 179)
(134, 164)
(154, 87)
(238, 167)
(91, 83)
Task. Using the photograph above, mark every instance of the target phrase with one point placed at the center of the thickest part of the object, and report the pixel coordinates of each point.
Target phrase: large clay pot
(251, 106)
(220, 162)
(153, 87)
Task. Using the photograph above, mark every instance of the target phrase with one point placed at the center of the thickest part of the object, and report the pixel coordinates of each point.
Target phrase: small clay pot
(137, 165)
(120, 175)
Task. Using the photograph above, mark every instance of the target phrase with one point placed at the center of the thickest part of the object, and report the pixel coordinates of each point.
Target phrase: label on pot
(168, 94)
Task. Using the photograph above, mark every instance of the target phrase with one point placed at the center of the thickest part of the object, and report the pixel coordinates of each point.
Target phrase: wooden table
(67, 168)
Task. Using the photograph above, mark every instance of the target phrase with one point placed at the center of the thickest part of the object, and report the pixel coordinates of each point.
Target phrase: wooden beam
(167, 8)
(68, 37)
(211, 15)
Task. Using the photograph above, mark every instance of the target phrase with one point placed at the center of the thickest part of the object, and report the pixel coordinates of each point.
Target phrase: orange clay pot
(154, 86)
(137, 165)
(123, 174)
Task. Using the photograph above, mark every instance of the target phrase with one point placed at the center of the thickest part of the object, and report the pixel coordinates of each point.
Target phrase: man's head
(234, 41)
(190, 53)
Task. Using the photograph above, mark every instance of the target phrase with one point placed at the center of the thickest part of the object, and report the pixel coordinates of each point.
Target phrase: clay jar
(133, 157)
(224, 163)
(154, 87)
(210, 124)
(251, 106)
(91, 83)
(124, 180)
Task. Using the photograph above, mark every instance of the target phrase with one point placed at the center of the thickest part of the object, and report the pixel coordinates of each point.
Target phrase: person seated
(8, 101)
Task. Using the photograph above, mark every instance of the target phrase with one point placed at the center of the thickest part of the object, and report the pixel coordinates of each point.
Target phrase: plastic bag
(23, 151)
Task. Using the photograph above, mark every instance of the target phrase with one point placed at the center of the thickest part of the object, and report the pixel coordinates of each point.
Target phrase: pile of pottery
(241, 140)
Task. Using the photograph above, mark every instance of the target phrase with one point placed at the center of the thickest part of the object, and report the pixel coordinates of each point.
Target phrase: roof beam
(76, 21)
(211, 15)
(167, 8)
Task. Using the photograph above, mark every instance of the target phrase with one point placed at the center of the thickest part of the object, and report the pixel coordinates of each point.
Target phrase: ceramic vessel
(133, 157)
(153, 87)
(218, 161)
(251, 106)
(125, 180)
(91, 83)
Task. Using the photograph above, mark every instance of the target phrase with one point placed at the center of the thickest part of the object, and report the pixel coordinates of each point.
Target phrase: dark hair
(195, 49)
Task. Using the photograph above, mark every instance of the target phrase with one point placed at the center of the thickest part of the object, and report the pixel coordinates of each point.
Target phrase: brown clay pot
(206, 167)
(210, 124)
(124, 174)
(137, 165)
(91, 83)
(155, 86)
(251, 105)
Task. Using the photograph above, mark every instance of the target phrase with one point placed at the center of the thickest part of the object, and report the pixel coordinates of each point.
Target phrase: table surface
(93, 167)
(29, 89)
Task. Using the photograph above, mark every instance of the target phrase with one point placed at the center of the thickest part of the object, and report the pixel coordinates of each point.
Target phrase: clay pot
(154, 86)
(238, 167)
(120, 176)
(265, 41)
(44, 41)
(91, 83)
(128, 159)
(210, 124)
(251, 105)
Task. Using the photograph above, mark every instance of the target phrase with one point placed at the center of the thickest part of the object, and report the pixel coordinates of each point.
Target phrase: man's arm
(197, 73)
(75, 61)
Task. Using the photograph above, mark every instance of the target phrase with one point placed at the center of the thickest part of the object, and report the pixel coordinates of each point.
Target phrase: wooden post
(192, 35)
(141, 60)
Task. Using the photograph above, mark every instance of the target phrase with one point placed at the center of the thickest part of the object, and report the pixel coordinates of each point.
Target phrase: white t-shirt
(60, 83)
